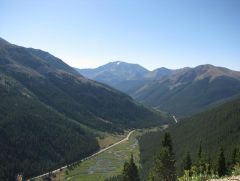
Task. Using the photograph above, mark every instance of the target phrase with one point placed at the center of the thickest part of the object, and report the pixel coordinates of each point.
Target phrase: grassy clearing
(106, 139)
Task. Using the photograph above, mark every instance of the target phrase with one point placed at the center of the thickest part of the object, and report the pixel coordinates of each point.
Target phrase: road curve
(86, 158)
(175, 119)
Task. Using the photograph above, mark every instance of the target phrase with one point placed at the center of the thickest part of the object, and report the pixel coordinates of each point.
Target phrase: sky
(152, 33)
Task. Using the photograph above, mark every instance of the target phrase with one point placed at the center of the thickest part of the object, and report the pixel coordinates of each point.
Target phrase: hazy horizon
(153, 34)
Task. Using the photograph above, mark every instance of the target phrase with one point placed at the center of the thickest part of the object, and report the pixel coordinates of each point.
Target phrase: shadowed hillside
(50, 113)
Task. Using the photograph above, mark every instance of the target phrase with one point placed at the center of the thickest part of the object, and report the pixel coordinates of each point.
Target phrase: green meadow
(104, 165)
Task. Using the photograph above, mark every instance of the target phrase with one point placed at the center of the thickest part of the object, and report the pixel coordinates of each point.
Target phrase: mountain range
(50, 115)
(181, 92)
(118, 72)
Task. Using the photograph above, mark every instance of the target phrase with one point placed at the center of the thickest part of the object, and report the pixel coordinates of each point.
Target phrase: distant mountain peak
(158, 73)
(205, 66)
(116, 63)
(116, 71)
(213, 72)
(119, 62)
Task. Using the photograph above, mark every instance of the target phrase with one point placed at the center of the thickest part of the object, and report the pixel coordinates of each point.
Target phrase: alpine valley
(50, 115)
(119, 90)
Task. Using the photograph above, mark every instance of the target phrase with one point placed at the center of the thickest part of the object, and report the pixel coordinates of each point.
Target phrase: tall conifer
(164, 163)
(222, 169)
(130, 171)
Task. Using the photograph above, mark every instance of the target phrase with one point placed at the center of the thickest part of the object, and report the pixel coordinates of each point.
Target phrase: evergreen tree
(209, 166)
(201, 162)
(125, 172)
(187, 162)
(235, 156)
(222, 169)
(167, 142)
(200, 151)
(130, 171)
(164, 162)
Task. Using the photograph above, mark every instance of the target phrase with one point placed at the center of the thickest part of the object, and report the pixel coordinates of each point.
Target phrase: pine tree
(167, 142)
(235, 156)
(222, 169)
(209, 166)
(201, 162)
(130, 171)
(200, 151)
(187, 162)
(164, 162)
(125, 172)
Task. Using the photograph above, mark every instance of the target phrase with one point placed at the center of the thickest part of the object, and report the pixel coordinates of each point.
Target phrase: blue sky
(153, 33)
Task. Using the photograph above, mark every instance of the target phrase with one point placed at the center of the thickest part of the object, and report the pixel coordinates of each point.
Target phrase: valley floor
(104, 164)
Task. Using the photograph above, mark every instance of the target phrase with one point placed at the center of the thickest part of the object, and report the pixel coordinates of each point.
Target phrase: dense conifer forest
(218, 127)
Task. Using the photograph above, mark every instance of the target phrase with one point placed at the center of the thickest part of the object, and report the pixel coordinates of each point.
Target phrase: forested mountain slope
(217, 127)
(49, 111)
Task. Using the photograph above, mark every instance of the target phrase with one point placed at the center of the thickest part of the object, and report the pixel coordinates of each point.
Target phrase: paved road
(100, 151)
(175, 119)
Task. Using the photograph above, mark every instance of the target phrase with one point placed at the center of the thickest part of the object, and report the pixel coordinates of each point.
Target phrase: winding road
(86, 158)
